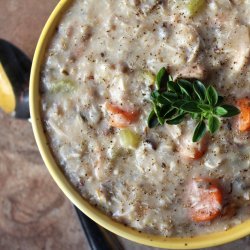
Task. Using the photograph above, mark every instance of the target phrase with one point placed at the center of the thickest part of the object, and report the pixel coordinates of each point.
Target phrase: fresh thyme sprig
(173, 101)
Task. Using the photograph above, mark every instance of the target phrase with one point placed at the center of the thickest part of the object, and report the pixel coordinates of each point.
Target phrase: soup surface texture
(96, 83)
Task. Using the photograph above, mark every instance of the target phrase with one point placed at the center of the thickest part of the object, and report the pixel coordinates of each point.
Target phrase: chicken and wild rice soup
(146, 106)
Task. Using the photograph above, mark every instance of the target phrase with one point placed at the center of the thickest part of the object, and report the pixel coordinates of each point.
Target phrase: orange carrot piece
(120, 118)
(244, 117)
(205, 197)
(194, 151)
(199, 152)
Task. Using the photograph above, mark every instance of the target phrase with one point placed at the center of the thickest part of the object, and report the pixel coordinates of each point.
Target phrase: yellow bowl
(208, 240)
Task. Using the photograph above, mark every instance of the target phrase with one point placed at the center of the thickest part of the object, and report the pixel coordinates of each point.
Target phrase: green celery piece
(63, 86)
(149, 78)
(194, 6)
(129, 139)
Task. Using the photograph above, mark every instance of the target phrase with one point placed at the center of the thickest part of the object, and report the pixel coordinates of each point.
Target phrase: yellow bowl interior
(55, 171)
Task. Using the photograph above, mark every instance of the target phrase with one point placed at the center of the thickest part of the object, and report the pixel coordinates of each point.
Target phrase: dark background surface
(34, 214)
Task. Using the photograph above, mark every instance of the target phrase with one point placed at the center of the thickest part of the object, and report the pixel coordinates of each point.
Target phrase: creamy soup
(98, 75)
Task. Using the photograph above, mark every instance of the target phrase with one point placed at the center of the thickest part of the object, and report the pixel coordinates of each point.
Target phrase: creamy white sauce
(103, 48)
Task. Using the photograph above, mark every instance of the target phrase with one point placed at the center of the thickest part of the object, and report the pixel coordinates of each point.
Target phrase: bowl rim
(197, 242)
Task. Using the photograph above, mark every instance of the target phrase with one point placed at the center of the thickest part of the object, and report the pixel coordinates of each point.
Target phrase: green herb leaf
(191, 106)
(173, 87)
(165, 109)
(179, 103)
(195, 116)
(170, 113)
(157, 111)
(171, 97)
(173, 101)
(186, 87)
(231, 110)
(200, 90)
(176, 120)
(161, 77)
(204, 107)
(213, 124)
(220, 111)
(154, 95)
(206, 114)
(152, 120)
(170, 78)
(212, 95)
(162, 100)
(220, 100)
(199, 131)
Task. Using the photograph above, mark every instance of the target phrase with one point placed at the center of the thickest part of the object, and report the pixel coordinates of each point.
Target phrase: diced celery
(129, 139)
(63, 86)
(149, 78)
(64, 44)
(195, 6)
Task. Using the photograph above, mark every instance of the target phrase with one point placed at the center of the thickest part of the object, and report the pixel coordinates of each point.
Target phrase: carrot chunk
(244, 117)
(198, 152)
(193, 151)
(205, 199)
(121, 118)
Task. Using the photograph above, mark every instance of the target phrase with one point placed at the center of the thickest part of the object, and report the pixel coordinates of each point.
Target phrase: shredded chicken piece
(239, 46)
(196, 71)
